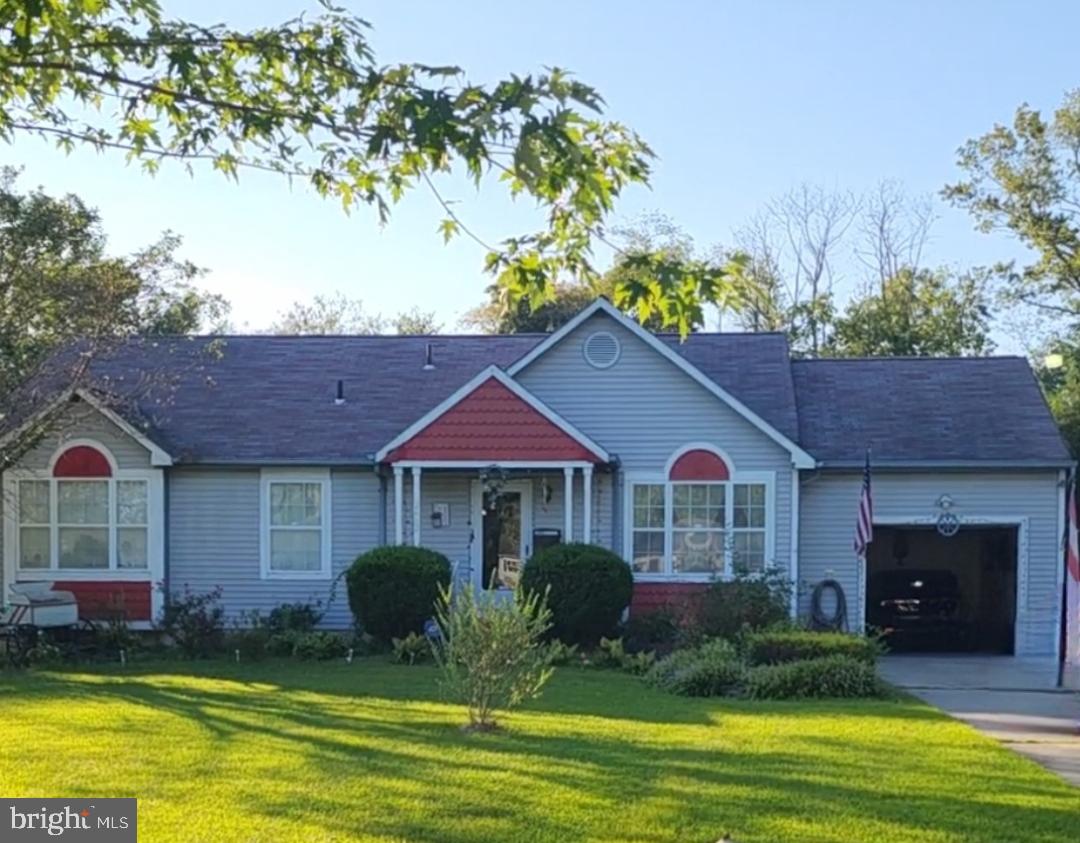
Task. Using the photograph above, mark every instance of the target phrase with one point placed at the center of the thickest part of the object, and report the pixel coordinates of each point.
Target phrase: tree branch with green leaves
(307, 99)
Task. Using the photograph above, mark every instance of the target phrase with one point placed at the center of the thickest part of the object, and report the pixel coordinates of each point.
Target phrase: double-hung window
(295, 524)
(84, 515)
(699, 520)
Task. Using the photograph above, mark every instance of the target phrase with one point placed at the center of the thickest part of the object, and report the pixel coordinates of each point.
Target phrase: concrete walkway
(1011, 699)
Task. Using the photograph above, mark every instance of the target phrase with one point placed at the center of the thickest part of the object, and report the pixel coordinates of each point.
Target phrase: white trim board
(517, 389)
(799, 457)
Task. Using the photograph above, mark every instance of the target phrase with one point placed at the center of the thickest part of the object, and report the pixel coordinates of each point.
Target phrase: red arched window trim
(699, 464)
(82, 461)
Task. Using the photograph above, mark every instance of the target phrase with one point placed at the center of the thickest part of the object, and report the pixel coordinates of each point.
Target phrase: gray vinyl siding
(81, 421)
(214, 538)
(827, 524)
(644, 408)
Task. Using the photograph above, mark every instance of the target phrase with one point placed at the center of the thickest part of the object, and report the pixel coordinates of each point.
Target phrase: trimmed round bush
(833, 676)
(589, 588)
(393, 589)
(711, 670)
(791, 645)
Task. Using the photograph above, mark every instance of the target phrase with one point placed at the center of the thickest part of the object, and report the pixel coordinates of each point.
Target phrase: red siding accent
(82, 461)
(680, 596)
(492, 423)
(699, 465)
(102, 599)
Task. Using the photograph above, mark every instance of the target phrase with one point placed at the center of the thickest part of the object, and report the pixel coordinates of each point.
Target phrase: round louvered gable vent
(601, 350)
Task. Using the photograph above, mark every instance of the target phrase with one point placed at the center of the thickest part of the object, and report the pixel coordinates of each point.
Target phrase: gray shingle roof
(754, 368)
(910, 410)
(266, 399)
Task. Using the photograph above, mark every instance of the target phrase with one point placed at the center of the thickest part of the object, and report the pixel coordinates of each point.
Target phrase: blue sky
(741, 101)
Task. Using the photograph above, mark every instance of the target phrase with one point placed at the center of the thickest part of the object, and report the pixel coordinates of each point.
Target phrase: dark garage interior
(935, 593)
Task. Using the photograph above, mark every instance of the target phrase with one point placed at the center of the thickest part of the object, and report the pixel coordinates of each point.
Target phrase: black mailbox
(545, 538)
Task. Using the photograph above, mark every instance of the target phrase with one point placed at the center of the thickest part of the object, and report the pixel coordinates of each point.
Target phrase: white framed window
(295, 524)
(84, 521)
(699, 529)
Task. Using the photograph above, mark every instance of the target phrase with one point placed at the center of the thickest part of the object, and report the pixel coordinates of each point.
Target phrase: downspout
(794, 564)
(166, 486)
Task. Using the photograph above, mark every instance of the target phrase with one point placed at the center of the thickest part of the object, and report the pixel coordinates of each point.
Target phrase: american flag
(1072, 583)
(864, 526)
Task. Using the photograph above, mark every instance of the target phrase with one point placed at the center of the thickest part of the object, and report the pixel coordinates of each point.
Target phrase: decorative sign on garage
(948, 524)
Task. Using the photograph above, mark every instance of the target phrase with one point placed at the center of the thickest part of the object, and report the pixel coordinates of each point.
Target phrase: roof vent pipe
(429, 358)
(339, 399)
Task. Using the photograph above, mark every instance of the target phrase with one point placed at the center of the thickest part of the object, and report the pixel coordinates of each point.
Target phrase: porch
(492, 473)
(488, 520)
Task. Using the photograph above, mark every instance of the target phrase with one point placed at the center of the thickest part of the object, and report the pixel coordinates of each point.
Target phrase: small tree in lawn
(492, 655)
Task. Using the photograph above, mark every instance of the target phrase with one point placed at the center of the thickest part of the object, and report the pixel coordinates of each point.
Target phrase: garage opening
(933, 593)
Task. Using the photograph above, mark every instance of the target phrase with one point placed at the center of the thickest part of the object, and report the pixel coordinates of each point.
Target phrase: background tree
(417, 322)
(915, 314)
(791, 252)
(1057, 365)
(308, 99)
(1024, 179)
(338, 314)
(58, 284)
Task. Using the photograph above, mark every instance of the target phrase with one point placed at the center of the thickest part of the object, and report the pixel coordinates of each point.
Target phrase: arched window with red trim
(699, 518)
(82, 461)
(84, 515)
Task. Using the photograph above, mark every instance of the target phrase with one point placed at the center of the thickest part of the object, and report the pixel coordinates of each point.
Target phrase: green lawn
(282, 751)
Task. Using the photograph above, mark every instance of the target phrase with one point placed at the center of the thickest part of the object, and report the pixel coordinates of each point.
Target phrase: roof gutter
(959, 465)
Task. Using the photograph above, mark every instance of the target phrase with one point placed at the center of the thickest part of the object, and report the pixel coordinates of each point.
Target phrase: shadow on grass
(383, 725)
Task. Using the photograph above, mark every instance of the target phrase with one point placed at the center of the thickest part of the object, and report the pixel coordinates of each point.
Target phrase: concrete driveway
(1014, 700)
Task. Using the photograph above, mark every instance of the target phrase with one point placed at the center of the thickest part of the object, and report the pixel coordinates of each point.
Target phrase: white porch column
(568, 504)
(586, 503)
(416, 506)
(399, 505)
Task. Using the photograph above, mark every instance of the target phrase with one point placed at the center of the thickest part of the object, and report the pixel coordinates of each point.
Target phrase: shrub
(559, 653)
(113, 635)
(411, 649)
(832, 676)
(587, 589)
(656, 630)
(319, 646)
(283, 643)
(297, 617)
(492, 654)
(612, 653)
(392, 590)
(747, 602)
(789, 645)
(195, 622)
(712, 669)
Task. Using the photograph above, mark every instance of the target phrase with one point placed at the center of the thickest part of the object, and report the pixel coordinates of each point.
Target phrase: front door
(502, 544)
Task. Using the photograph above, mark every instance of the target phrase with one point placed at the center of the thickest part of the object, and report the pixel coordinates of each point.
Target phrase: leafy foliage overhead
(307, 99)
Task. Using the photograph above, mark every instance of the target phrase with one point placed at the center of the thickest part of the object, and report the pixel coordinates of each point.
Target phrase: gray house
(266, 464)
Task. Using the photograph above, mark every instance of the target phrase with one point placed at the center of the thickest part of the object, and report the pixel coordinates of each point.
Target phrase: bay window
(688, 526)
(295, 525)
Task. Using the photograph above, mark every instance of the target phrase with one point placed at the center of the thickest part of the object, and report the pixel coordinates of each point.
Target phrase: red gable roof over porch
(494, 420)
